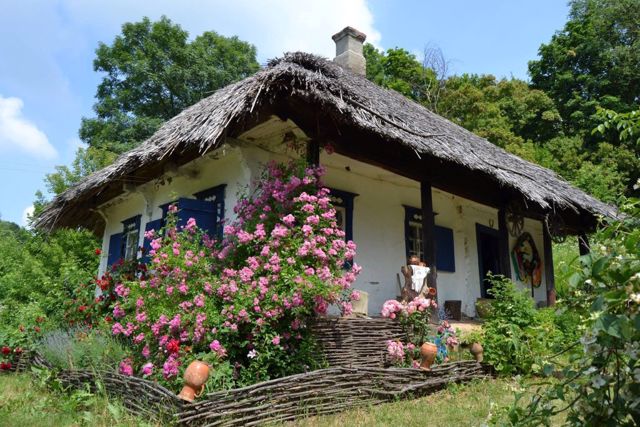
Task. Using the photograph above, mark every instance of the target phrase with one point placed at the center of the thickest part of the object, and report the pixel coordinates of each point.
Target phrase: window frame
(345, 200)
(127, 233)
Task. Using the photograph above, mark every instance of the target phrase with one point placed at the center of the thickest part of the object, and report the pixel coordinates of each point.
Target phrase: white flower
(252, 354)
(598, 381)
(635, 297)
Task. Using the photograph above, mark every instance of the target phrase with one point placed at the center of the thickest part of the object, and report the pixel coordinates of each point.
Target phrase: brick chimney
(349, 50)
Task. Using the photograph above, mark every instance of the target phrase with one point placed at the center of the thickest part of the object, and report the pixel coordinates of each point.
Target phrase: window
(445, 255)
(130, 238)
(343, 203)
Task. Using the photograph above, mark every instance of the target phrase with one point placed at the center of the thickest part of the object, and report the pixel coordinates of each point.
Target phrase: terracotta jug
(477, 351)
(428, 351)
(195, 377)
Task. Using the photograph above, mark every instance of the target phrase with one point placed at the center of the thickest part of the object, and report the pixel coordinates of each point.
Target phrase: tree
(152, 72)
(593, 62)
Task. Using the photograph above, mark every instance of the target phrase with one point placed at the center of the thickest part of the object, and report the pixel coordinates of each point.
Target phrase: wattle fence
(357, 377)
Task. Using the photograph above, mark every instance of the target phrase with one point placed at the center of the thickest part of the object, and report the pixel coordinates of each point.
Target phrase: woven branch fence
(354, 348)
(322, 392)
(354, 341)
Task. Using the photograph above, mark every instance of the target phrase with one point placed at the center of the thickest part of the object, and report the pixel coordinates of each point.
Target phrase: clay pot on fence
(428, 352)
(477, 351)
(195, 377)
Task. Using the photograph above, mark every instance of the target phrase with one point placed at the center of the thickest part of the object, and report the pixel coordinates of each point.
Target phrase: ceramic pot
(195, 377)
(428, 352)
(477, 351)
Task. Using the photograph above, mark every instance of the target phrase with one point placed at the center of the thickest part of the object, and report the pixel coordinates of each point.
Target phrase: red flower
(173, 346)
(98, 251)
(37, 328)
(21, 328)
(4, 366)
(108, 319)
(82, 308)
(6, 350)
(39, 319)
(17, 350)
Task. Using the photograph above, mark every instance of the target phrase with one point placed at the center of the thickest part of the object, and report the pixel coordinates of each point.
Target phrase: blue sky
(47, 82)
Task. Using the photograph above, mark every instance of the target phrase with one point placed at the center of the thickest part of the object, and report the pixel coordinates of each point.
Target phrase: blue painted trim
(219, 208)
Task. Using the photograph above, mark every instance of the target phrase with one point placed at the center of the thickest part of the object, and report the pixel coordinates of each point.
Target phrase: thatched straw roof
(352, 101)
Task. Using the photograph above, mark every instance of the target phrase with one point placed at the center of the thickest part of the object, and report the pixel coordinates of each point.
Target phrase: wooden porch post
(428, 235)
(583, 244)
(549, 274)
(313, 153)
(505, 264)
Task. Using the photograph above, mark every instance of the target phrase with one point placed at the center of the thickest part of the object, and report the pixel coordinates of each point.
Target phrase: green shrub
(81, 349)
(517, 337)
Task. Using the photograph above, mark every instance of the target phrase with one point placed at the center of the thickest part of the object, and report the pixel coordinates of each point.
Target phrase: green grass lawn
(25, 402)
(459, 405)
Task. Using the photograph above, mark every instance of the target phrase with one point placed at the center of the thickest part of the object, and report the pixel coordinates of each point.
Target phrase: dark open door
(489, 256)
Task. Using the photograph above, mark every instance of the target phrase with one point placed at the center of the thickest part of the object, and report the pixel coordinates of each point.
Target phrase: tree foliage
(152, 71)
(592, 62)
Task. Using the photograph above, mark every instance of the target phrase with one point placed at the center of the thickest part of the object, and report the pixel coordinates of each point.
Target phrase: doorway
(489, 256)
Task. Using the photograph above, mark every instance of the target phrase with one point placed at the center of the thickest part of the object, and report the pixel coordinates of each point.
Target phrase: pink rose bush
(415, 317)
(241, 304)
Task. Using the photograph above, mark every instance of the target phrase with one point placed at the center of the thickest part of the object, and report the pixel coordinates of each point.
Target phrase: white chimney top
(349, 50)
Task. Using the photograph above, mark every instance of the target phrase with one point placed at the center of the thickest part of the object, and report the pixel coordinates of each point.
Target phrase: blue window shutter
(156, 224)
(445, 254)
(216, 196)
(115, 249)
(202, 211)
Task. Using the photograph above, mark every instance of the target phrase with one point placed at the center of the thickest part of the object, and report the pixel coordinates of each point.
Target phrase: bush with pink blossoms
(242, 304)
(415, 317)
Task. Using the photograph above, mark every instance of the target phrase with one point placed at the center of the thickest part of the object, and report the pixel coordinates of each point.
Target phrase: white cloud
(273, 26)
(16, 132)
(26, 214)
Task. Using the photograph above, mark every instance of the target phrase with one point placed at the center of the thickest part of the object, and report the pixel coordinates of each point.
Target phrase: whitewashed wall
(378, 215)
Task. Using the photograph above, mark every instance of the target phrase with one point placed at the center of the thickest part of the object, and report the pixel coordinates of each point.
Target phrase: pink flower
(395, 350)
(279, 231)
(289, 220)
(244, 237)
(147, 369)
(170, 368)
(276, 340)
(191, 225)
(141, 317)
(313, 219)
(121, 290)
(146, 352)
(199, 300)
(126, 368)
(118, 312)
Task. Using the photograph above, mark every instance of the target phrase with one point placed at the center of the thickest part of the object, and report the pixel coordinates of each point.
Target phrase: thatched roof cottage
(407, 181)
